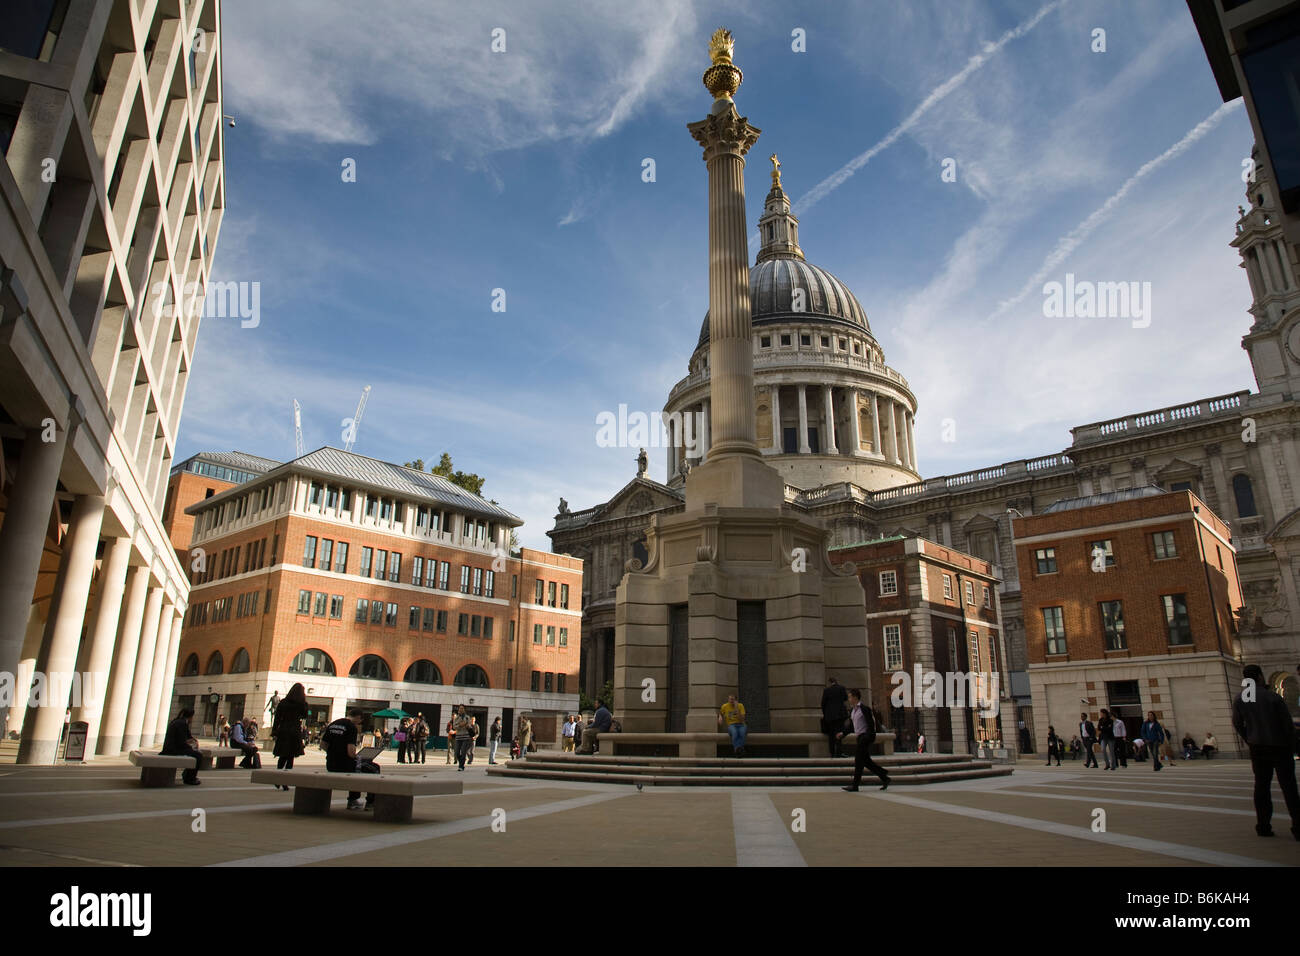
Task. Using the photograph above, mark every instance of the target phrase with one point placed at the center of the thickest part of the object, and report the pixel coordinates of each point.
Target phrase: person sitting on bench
(241, 741)
(600, 724)
(1189, 747)
(1209, 746)
(340, 742)
(179, 742)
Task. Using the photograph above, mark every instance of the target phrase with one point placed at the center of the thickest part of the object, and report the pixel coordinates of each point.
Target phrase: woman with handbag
(400, 737)
(286, 728)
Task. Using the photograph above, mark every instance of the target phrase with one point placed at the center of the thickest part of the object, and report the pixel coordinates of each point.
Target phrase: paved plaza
(1193, 814)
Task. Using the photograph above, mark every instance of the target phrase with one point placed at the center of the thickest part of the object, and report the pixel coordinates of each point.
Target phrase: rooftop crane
(351, 433)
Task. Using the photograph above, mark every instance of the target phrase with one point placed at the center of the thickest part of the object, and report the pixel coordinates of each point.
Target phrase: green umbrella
(391, 712)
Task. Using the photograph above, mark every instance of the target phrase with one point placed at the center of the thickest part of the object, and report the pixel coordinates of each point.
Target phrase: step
(837, 780)
(602, 761)
(739, 768)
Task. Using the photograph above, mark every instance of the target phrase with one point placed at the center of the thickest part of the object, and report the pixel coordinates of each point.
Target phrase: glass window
(988, 597)
(550, 593)
(462, 624)
(970, 592)
(312, 661)
(550, 634)
(240, 665)
(326, 552)
(888, 583)
(423, 672)
(1112, 625)
(537, 681)
(309, 552)
(370, 667)
(442, 622)
(304, 602)
(471, 675)
(417, 570)
(216, 664)
(322, 604)
(1176, 619)
(336, 606)
(564, 596)
(414, 621)
(550, 682)
(489, 583)
(1046, 560)
(367, 555)
(1164, 545)
(541, 591)
(893, 647)
(381, 564)
(464, 579)
(1245, 495)
(1054, 625)
(363, 610)
(444, 574)
(428, 619)
(390, 615)
(487, 628)
(564, 637)
(395, 567)
(1100, 555)
(376, 612)
(475, 625)
(537, 633)
(947, 586)
(478, 580)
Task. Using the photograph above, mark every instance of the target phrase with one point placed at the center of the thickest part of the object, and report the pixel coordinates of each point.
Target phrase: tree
(586, 704)
(444, 469)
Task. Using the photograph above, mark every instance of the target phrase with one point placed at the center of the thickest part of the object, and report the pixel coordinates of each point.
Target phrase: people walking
(1054, 746)
(834, 711)
(400, 736)
(286, 728)
(340, 741)
(525, 735)
(1088, 737)
(1167, 748)
(463, 725)
(1121, 741)
(451, 739)
(179, 742)
(1106, 737)
(1265, 723)
(566, 734)
(473, 738)
(494, 740)
(732, 716)
(1154, 735)
(862, 722)
(421, 729)
(223, 731)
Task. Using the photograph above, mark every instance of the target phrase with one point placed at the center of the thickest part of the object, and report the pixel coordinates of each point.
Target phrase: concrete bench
(220, 758)
(394, 795)
(157, 770)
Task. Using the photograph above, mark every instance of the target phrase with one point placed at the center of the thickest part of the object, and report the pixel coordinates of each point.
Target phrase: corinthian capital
(724, 132)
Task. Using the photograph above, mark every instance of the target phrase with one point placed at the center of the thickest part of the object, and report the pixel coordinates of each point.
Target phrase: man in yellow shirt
(732, 716)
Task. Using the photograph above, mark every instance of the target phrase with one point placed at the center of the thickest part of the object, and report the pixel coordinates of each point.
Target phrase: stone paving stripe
(1168, 793)
(135, 789)
(1142, 844)
(142, 814)
(762, 836)
(1128, 803)
(416, 834)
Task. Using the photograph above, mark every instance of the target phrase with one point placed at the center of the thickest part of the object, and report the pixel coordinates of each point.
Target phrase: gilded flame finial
(776, 170)
(723, 78)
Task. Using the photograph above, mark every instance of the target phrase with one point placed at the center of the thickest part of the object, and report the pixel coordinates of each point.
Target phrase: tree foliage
(444, 469)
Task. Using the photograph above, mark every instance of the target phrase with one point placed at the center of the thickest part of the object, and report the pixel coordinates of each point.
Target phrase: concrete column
(831, 447)
(169, 680)
(911, 439)
(139, 699)
(804, 447)
(103, 634)
(855, 427)
(26, 665)
(57, 658)
(904, 439)
(157, 676)
(124, 657)
(704, 429)
(875, 425)
(22, 539)
(777, 439)
(895, 446)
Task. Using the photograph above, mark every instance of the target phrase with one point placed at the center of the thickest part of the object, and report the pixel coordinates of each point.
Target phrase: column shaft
(855, 427)
(157, 676)
(57, 658)
(875, 425)
(103, 635)
(831, 447)
(804, 447)
(124, 659)
(778, 442)
(704, 429)
(139, 699)
(169, 680)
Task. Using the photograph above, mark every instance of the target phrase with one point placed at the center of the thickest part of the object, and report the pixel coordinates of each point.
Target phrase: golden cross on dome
(776, 170)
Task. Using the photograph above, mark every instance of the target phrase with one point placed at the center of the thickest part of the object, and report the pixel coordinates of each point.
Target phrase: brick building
(931, 609)
(196, 478)
(1130, 602)
(376, 586)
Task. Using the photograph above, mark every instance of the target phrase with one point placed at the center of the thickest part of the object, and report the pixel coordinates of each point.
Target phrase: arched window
(191, 668)
(471, 675)
(240, 664)
(371, 667)
(423, 672)
(215, 664)
(1245, 496)
(312, 661)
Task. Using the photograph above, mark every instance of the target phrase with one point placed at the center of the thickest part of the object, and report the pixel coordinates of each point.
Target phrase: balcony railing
(1219, 405)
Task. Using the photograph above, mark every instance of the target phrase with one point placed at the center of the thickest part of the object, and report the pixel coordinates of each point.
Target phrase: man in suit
(179, 742)
(1088, 733)
(834, 713)
(862, 722)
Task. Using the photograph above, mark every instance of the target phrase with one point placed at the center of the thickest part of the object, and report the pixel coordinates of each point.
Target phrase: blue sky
(522, 171)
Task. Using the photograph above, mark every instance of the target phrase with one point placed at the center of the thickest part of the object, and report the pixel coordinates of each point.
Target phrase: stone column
(804, 447)
(169, 679)
(157, 676)
(57, 658)
(139, 698)
(831, 447)
(875, 425)
(778, 439)
(103, 635)
(855, 426)
(726, 137)
(124, 657)
(704, 429)
(904, 439)
(22, 539)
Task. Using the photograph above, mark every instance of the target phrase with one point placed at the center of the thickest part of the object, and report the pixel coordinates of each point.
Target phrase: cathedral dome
(773, 284)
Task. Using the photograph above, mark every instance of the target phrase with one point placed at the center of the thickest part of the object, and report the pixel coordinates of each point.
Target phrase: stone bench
(394, 795)
(157, 770)
(220, 758)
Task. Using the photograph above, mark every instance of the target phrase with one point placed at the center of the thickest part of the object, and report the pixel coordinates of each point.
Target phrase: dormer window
(765, 341)
(805, 340)
(785, 339)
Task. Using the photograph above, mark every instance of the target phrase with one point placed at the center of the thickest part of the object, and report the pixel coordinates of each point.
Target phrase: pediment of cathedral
(639, 496)
(1176, 468)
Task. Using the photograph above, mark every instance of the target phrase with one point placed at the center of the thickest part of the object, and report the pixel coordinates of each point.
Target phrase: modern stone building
(376, 586)
(1130, 603)
(112, 192)
(1239, 453)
